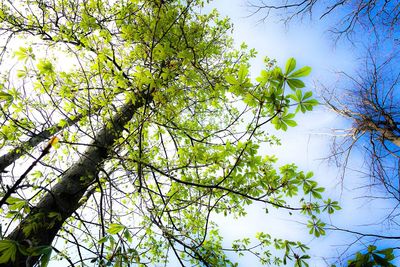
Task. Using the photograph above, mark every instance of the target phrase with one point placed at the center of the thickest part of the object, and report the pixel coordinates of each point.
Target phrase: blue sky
(307, 144)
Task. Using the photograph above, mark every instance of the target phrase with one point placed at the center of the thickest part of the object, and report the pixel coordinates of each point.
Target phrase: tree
(145, 123)
(371, 103)
(351, 17)
(372, 107)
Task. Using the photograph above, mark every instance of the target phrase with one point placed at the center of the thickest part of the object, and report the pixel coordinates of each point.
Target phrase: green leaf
(387, 252)
(8, 250)
(115, 228)
(231, 80)
(295, 83)
(128, 235)
(45, 67)
(304, 71)
(371, 248)
(13, 200)
(242, 74)
(45, 259)
(291, 123)
(290, 65)
(277, 73)
(6, 97)
(24, 53)
(263, 78)
(299, 95)
(311, 102)
(16, 203)
(379, 260)
(103, 239)
(307, 95)
(21, 73)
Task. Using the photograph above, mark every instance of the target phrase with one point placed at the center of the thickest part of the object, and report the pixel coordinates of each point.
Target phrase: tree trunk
(64, 197)
(386, 132)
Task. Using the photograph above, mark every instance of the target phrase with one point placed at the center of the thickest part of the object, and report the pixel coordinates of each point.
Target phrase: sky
(309, 143)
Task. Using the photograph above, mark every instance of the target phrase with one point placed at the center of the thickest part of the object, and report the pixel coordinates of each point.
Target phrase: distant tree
(372, 102)
(125, 125)
(380, 17)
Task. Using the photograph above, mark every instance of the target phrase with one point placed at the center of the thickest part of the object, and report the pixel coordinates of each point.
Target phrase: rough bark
(372, 119)
(64, 197)
(385, 132)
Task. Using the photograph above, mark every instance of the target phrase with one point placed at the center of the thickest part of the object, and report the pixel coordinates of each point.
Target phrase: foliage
(372, 258)
(159, 127)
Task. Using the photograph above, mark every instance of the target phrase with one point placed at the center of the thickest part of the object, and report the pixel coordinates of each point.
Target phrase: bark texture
(65, 196)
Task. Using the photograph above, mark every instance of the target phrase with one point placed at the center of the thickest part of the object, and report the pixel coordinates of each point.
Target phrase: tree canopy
(126, 125)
